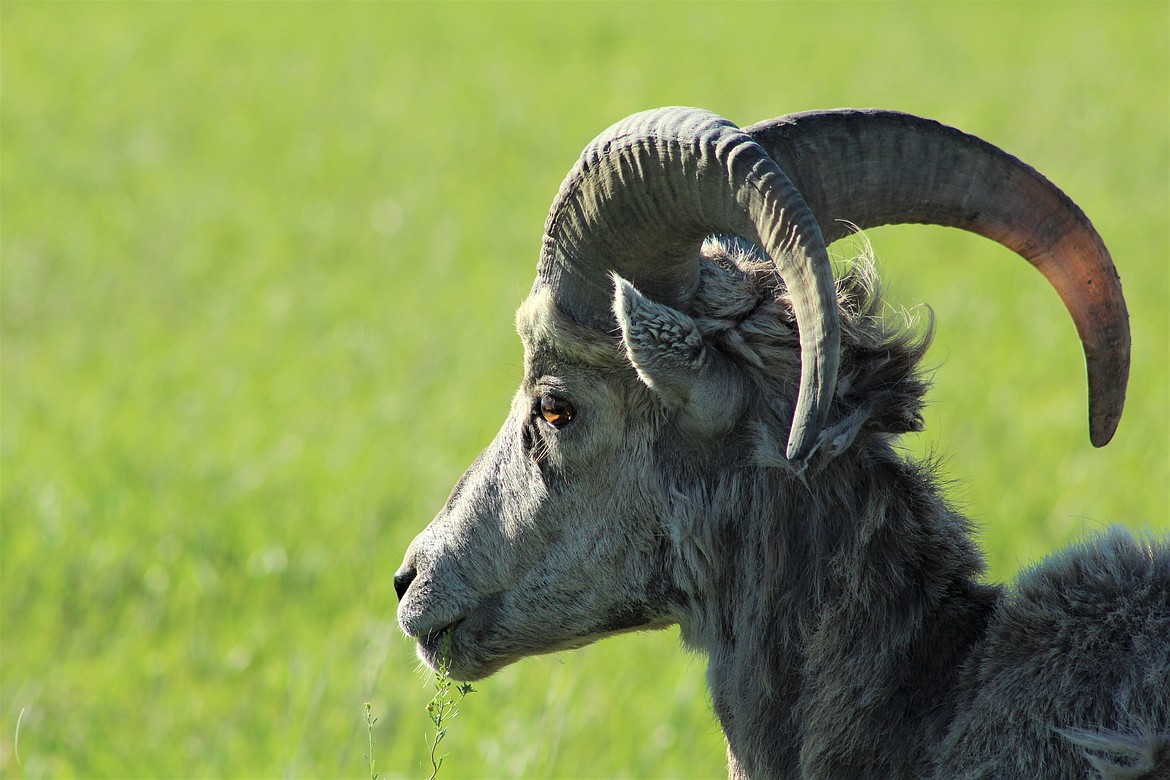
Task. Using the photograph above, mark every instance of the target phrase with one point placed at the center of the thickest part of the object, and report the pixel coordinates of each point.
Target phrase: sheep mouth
(461, 649)
(472, 646)
(434, 644)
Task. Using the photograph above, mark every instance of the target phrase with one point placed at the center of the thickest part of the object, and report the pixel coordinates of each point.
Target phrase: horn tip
(1102, 426)
(1107, 368)
(802, 443)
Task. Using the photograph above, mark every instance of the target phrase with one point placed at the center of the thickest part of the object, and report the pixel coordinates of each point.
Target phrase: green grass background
(259, 269)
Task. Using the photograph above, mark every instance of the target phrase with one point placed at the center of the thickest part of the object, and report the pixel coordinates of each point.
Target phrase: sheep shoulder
(1073, 673)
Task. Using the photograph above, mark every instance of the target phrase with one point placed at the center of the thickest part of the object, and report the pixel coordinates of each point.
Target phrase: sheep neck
(845, 662)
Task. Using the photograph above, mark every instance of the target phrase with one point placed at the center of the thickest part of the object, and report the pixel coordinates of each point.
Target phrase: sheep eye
(557, 412)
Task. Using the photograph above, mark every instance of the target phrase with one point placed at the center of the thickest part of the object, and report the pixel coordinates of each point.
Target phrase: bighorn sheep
(703, 436)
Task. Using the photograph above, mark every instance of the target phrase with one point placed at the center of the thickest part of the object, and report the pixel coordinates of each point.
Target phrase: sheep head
(684, 303)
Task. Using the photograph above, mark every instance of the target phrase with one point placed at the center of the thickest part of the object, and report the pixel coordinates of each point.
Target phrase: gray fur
(841, 606)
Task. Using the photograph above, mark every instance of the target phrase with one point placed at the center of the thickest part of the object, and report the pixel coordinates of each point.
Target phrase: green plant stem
(370, 731)
(443, 708)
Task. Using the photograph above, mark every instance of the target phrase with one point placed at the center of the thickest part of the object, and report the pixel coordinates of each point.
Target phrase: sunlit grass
(259, 269)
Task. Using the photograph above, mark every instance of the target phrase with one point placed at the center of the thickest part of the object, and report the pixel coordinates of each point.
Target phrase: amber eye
(557, 412)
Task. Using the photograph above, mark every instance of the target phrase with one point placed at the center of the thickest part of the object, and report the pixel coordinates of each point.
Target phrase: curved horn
(640, 202)
(874, 168)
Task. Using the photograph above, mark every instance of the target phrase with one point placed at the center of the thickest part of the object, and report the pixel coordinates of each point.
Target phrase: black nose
(402, 580)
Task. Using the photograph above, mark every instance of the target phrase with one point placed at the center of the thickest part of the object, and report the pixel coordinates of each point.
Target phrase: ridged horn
(873, 168)
(640, 202)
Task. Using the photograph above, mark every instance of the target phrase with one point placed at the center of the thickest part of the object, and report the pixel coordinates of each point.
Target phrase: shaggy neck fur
(829, 602)
(844, 604)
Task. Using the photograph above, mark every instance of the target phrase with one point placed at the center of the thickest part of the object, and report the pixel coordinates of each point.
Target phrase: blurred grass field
(259, 269)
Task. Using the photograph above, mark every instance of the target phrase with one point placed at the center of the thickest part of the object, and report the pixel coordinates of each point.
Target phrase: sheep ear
(665, 347)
